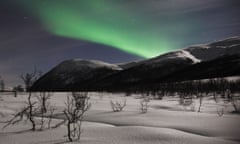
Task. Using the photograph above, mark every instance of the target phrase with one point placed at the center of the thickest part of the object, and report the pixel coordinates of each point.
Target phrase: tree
(234, 99)
(36, 108)
(30, 78)
(43, 99)
(25, 113)
(29, 110)
(44, 107)
(2, 84)
(76, 106)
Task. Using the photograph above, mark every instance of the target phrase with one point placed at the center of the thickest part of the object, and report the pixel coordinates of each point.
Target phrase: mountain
(217, 59)
(216, 49)
(148, 70)
(227, 65)
(74, 74)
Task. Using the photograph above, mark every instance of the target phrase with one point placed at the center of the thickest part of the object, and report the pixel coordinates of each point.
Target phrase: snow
(206, 52)
(173, 56)
(96, 64)
(165, 122)
(85, 66)
(187, 54)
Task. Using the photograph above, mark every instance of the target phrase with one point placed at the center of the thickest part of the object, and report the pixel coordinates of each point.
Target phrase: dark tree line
(218, 85)
(187, 90)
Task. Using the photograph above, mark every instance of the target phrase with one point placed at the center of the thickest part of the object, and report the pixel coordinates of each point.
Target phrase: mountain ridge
(194, 62)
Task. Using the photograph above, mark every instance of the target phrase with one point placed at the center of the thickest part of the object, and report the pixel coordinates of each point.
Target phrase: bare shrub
(43, 100)
(200, 102)
(187, 102)
(46, 120)
(45, 110)
(234, 99)
(184, 99)
(118, 106)
(144, 104)
(192, 106)
(35, 109)
(220, 111)
(76, 106)
(50, 117)
(44, 105)
(160, 94)
(29, 110)
(30, 78)
(25, 114)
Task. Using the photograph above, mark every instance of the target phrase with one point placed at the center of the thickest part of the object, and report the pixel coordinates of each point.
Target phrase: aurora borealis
(104, 22)
(43, 33)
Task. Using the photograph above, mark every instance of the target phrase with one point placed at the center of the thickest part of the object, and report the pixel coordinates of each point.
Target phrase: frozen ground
(166, 122)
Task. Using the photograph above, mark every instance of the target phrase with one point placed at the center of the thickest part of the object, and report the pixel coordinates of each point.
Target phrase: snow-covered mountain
(227, 65)
(196, 53)
(194, 62)
(75, 73)
(214, 50)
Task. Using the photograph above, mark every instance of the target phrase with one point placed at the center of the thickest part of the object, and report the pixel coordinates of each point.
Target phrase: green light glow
(104, 22)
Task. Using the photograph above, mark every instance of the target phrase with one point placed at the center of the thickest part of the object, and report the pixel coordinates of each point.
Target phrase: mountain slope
(214, 50)
(218, 59)
(147, 70)
(74, 74)
(228, 65)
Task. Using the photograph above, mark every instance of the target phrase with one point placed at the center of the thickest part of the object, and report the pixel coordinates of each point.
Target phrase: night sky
(43, 33)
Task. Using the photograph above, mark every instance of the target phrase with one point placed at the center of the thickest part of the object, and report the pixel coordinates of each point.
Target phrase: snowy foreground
(166, 122)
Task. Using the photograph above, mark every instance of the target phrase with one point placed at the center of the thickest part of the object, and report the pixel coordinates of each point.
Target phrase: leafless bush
(144, 103)
(186, 102)
(193, 106)
(30, 78)
(200, 102)
(220, 111)
(182, 98)
(44, 105)
(50, 117)
(46, 118)
(25, 114)
(29, 110)
(35, 109)
(76, 106)
(118, 106)
(43, 100)
(160, 94)
(234, 99)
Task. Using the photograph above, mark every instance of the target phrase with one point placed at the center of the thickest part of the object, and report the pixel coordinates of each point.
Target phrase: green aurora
(106, 22)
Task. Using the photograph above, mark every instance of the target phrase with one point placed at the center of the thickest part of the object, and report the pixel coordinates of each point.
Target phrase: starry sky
(43, 33)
